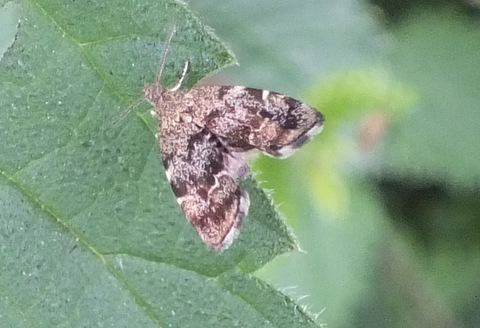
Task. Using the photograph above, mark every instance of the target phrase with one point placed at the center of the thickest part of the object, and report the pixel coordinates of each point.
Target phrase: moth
(207, 133)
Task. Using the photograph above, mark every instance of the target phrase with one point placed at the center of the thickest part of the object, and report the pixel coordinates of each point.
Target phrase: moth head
(153, 93)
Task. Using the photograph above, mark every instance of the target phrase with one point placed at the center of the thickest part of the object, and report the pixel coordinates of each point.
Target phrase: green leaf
(90, 232)
(437, 55)
(289, 48)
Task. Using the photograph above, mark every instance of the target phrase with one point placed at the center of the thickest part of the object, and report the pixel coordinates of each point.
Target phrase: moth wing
(247, 118)
(202, 176)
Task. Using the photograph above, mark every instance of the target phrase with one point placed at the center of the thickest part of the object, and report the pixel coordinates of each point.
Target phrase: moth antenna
(164, 55)
(159, 76)
(128, 110)
(179, 83)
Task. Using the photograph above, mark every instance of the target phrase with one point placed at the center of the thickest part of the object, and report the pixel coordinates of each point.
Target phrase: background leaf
(436, 54)
(9, 17)
(90, 233)
(384, 202)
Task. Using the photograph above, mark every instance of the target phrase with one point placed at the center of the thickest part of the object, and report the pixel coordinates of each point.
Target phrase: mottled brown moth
(206, 134)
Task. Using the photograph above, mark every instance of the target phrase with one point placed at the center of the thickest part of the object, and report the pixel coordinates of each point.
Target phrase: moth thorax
(153, 93)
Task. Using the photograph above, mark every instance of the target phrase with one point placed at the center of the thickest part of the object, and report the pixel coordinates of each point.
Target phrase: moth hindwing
(206, 134)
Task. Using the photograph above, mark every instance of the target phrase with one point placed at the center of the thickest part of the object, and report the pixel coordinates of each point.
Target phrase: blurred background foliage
(385, 202)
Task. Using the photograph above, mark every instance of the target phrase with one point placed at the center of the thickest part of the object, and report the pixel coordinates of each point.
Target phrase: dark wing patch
(271, 122)
(203, 178)
(216, 211)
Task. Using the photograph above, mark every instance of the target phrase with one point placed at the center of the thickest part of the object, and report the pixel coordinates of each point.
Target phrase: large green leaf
(90, 231)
